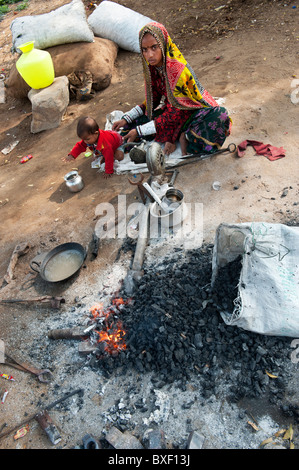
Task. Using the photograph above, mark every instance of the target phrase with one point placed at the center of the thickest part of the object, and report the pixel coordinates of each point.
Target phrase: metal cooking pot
(73, 181)
(60, 263)
(170, 201)
(173, 197)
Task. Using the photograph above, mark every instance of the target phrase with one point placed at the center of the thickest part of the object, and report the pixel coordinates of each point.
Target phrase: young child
(104, 144)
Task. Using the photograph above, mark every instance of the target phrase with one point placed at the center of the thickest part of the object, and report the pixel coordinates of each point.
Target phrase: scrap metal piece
(173, 177)
(67, 333)
(86, 347)
(155, 159)
(141, 188)
(95, 242)
(55, 302)
(138, 153)
(46, 423)
(43, 375)
(89, 442)
(79, 391)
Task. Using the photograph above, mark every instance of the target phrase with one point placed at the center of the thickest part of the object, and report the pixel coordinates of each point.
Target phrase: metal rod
(80, 391)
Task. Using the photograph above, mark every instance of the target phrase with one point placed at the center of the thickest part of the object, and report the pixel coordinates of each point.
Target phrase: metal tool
(55, 302)
(80, 391)
(138, 182)
(231, 149)
(40, 373)
(163, 206)
(173, 178)
(70, 333)
(143, 187)
(50, 428)
(198, 157)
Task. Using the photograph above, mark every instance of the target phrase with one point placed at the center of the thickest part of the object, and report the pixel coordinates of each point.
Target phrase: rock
(273, 445)
(97, 57)
(49, 105)
(155, 439)
(120, 440)
(284, 193)
(195, 440)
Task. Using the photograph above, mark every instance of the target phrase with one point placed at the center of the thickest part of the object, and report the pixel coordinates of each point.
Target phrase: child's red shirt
(106, 145)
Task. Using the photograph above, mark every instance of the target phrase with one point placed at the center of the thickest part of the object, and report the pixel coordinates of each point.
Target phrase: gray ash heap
(174, 330)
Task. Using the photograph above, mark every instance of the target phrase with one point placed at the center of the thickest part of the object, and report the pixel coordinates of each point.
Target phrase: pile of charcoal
(174, 330)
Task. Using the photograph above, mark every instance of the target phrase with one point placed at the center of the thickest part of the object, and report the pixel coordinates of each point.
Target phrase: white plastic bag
(66, 24)
(268, 289)
(119, 24)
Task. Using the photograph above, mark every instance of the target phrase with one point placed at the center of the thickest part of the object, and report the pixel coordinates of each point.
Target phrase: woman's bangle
(133, 114)
(148, 128)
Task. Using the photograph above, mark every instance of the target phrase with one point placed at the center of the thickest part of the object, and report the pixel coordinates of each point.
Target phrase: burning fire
(112, 335)
(114, 341)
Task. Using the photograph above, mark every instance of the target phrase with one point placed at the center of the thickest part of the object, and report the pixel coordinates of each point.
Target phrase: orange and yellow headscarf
(184, 91)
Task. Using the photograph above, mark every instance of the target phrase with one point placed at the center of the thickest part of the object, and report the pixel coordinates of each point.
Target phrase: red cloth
(269, 151)
(107, 143)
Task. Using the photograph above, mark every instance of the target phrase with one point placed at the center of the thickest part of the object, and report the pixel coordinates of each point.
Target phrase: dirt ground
(244, 52)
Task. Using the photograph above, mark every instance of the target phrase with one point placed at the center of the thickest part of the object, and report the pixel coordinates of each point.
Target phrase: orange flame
(113, 340)
(118, 302)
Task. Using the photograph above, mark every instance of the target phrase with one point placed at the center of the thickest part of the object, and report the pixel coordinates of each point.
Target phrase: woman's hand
(131, 136)
(118, 124)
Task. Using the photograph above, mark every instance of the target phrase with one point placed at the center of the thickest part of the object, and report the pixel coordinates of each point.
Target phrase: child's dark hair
(86, 126)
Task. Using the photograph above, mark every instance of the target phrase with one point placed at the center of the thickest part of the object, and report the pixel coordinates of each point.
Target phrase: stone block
(195, 440)
(122, 440)
(49, 105)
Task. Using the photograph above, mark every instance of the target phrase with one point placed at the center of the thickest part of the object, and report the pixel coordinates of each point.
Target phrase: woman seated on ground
(177, 107)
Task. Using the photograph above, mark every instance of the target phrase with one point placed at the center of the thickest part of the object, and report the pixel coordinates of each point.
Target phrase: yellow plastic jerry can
(35, 66)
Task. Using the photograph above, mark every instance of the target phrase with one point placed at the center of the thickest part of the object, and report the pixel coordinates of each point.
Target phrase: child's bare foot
(107, 175)
(183, 143)
(169, 148)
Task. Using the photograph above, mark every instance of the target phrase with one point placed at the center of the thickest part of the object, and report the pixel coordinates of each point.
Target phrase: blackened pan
(60, 263)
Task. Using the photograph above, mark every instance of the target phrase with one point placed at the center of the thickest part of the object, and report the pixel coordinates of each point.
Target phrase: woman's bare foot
(119, 155)
(183, 143)
(169, 148)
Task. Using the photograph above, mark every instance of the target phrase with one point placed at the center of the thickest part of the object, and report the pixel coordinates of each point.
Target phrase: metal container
(60, 263)
(173, 198)
(74, 181)
(168, 220)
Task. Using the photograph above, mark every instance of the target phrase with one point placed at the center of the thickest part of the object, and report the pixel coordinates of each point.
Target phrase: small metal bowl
(173, 196)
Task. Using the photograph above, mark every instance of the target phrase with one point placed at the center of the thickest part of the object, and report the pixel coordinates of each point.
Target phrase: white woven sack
(66, 24)
(119, 24)
(268, 289)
